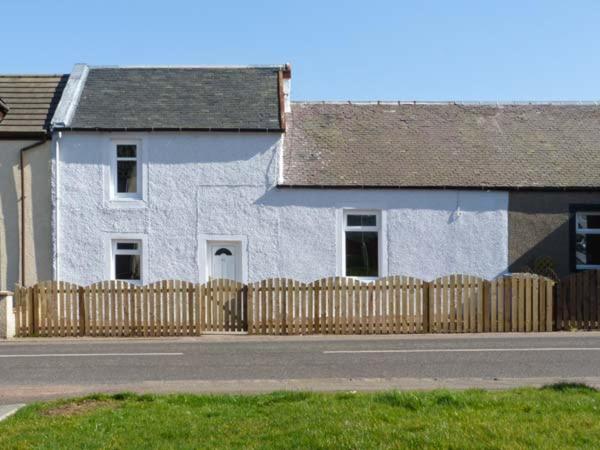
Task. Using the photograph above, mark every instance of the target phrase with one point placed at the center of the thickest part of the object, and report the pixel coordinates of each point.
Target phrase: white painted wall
(202, 186)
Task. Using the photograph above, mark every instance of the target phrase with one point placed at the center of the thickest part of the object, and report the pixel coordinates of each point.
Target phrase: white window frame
(114, 159)
(585, 231)
(112, 252)
(379, 228)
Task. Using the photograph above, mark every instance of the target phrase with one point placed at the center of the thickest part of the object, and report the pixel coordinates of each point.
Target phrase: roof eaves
(448, 102)
(443, 187)
(176, 129)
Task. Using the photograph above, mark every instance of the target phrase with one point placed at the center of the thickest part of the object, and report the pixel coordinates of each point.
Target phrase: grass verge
(559, 416)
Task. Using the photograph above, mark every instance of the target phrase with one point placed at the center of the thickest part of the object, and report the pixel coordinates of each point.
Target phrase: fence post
(82, 312)
(317, 299)
(7, 316)
(486, 305)
(33, 318)
(549, 304)
(199, 301)
(247, 298)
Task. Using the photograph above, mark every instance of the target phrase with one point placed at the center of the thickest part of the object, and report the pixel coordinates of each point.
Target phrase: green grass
(559, 416)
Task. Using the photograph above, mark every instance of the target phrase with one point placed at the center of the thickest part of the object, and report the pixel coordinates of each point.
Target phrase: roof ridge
(184, 66)
(447, 102)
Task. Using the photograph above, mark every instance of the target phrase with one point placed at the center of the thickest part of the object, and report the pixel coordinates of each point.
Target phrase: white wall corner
(54, 193)
(70, 97)
(7, 316)
(280, 162)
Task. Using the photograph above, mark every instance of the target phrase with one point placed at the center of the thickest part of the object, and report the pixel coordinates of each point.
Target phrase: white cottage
(192, 173)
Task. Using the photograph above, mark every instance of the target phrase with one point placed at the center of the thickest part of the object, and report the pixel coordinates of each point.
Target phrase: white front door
(225, 261)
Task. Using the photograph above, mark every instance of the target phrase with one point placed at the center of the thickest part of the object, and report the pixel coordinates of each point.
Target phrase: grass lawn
(560, 416)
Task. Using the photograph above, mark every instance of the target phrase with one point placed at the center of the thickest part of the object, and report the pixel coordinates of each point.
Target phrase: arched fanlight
(223, 251)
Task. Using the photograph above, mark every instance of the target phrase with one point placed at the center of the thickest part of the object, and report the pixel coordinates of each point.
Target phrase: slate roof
(179, 98)
(31, 101)
(403, 145)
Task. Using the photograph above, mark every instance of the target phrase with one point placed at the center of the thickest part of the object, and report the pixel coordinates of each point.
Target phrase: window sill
(363, 279)
(132, 282)
(125, 202)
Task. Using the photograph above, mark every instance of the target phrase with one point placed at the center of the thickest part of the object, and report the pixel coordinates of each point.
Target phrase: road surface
(36, 369)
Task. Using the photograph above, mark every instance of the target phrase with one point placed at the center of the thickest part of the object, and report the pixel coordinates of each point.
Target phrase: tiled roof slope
(31, 100)
(179, 98)
(443, 145)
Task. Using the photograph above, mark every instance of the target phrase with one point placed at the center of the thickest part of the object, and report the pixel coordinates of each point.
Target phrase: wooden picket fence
(578, 301)
(116, 308)
(451, 304)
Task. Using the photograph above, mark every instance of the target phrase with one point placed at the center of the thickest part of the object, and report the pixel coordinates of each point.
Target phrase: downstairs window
(127, 260)
(587, 240)
(361, 244)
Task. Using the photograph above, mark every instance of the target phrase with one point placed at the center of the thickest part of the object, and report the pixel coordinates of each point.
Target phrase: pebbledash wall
(211, 186)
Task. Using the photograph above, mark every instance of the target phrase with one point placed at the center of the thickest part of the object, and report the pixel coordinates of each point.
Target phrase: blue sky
(339, 50)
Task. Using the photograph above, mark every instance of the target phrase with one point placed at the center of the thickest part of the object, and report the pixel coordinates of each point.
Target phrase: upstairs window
(587, 240)
(361, 244)
(127, 260)
(126, 171)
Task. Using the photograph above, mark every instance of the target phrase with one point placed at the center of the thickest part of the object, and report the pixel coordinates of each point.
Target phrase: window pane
(126, 151)
(127, 267)
(362, 254)
(356, 220)
(127, 245)
(587, 249)
(126, 176)
(588, 220)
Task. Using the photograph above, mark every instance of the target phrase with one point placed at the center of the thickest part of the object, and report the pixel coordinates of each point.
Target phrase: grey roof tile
(443, 145)
(193, 98)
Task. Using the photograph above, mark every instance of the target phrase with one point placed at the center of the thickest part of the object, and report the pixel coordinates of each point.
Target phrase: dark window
(126, 151)
(126, 177)
(127, 173)
(127, 246)
(127, 267)
(223, 251)
(356, 220)
(362, 253)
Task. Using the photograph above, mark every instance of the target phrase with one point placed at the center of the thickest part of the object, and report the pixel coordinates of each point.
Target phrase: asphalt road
(40, 369)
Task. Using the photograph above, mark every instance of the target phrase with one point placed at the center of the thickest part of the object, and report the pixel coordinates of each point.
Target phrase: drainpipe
(22, 170)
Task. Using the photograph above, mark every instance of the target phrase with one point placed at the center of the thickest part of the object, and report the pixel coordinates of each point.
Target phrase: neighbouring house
(3, 109)
(525, 179)
(27, 104)
(200, 172)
